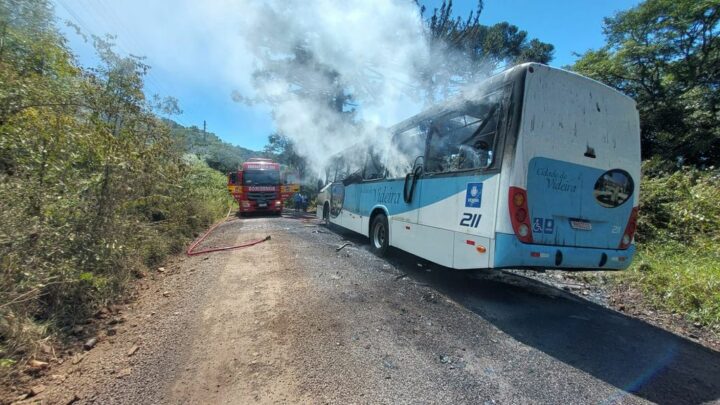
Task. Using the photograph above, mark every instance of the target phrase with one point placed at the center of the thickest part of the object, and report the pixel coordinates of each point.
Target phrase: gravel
(295, 319)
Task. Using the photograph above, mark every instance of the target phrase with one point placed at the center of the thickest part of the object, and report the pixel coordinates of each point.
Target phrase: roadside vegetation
(665, 54)
(207, 146)
(94, 190)
(678, 265)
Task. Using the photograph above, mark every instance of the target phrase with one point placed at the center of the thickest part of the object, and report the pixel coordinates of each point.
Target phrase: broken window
(464, 140)
(408, 145)
(373, 168)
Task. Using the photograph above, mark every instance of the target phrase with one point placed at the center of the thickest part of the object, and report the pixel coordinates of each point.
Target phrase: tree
(296, 77)
(282, 150)
(91, 187)
(469, 50)
(666, 55)
(218, 154)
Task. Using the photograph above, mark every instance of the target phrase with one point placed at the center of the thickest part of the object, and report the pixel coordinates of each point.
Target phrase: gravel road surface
(295, 320)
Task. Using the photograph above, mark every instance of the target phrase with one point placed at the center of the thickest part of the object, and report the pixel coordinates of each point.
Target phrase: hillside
(218, 154)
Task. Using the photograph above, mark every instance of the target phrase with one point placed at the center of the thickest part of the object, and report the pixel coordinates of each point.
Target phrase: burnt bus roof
(485, 86)
(515, 73)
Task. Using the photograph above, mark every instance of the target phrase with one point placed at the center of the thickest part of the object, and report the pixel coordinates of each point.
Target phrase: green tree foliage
(92, 186)
(666, 55)
(470, 50)
(282, 150)
(464, 51)
(218, 154)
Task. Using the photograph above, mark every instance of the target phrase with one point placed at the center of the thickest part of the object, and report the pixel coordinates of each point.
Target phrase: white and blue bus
(540, 168)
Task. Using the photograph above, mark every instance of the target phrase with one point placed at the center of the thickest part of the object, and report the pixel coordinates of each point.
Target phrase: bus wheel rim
(379, 236)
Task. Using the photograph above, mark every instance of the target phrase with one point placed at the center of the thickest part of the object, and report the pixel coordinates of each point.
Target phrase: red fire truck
(260, 186)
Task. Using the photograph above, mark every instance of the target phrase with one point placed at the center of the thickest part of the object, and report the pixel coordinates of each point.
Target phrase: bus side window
(464, 140)
(407, 146)
(373, 168)
(233, 178)
(348, 168)
(337, 170)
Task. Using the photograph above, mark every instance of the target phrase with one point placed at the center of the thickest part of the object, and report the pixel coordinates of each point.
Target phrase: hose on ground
(191, 252)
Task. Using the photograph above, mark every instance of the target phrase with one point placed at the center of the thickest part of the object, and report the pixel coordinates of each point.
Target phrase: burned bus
(539, 168)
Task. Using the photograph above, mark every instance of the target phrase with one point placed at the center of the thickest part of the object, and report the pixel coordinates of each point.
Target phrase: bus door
(402, 195)
(351, 218)
(345, 195)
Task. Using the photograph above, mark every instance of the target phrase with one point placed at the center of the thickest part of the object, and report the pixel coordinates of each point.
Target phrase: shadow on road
(625, 352)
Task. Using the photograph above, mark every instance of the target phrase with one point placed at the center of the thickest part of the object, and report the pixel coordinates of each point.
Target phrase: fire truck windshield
(261, 177)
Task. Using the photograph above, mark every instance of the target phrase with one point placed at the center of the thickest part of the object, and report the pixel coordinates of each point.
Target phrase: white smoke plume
(378, 50)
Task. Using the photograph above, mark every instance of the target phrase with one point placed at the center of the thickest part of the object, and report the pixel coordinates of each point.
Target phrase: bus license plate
(581, 225)
(262, 204)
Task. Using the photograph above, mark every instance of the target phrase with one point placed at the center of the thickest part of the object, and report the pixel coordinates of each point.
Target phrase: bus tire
(379, 235)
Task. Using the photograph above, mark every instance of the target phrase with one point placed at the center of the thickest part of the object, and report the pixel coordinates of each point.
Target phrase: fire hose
(249, 243)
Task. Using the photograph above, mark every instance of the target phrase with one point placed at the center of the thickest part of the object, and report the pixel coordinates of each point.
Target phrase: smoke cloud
(374, 50)
(373, 53)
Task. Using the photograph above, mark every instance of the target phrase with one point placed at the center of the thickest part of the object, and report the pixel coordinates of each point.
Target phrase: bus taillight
(519, 214)
(629, 230)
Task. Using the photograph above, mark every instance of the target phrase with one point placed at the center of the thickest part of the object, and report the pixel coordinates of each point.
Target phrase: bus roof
(514, 73)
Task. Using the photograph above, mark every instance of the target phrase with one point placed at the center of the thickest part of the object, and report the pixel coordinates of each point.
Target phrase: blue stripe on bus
(361, 198)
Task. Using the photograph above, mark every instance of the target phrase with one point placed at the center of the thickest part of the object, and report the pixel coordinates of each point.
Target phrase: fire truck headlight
(246, 204)
(278, 202)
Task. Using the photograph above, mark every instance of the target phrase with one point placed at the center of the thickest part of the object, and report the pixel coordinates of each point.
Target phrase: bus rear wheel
(379, 241)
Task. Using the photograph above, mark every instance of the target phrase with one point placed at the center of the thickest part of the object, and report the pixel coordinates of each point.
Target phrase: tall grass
(678, 262)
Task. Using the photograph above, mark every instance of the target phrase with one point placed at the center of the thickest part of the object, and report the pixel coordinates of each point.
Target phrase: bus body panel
(351, 209)
(460, 203)
(454, 210)
(467, 251)
(430, 243)
(560, 193)
(573, 130)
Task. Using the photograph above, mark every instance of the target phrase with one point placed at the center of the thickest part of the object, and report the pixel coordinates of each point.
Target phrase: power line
(86, 27)
(122, 36)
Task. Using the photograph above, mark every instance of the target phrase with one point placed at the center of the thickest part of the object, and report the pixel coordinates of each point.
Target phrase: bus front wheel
(379, 241)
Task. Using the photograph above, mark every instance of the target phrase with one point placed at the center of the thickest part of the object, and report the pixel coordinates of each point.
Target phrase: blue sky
(174, 43)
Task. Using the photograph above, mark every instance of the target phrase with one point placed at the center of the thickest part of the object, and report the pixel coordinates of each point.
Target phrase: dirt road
(296, 320)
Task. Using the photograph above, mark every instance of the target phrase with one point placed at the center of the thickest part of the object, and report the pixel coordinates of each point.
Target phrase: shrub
(678, 262)
(89, 176)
